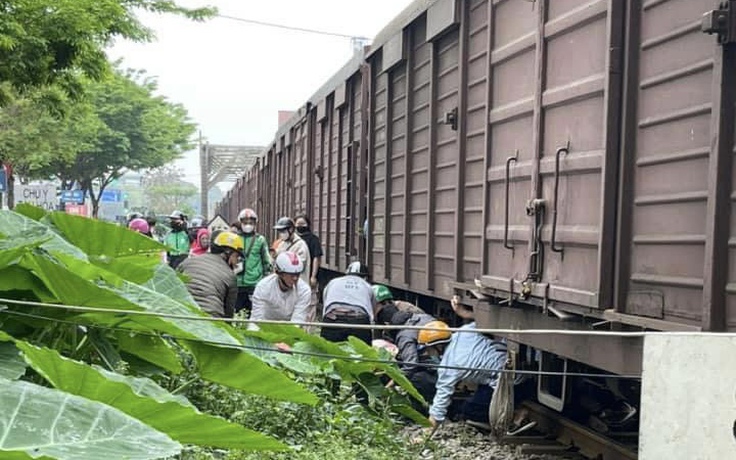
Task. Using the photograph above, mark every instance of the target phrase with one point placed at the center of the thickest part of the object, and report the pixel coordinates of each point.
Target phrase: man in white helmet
(282, 296)
(256, 259)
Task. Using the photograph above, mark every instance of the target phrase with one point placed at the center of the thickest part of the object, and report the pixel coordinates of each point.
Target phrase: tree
(49, 49)
(166, 190)
(45, 42)
(138, 130)
(31, 135)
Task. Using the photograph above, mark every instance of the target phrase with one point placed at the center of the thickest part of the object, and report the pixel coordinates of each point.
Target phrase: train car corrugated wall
(338, 167)
(301, 178)
(417, 172)
(554, 100)
(677, 230)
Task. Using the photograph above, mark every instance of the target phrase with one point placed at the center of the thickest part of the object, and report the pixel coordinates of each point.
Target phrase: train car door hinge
(721, 22)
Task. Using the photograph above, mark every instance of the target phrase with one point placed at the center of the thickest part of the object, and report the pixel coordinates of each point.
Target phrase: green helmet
(382, 293)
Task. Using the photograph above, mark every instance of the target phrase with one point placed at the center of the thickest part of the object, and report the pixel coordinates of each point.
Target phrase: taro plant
(88, 312)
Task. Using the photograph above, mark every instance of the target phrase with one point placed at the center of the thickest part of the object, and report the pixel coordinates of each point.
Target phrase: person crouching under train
(282, 296)
(348, 300)
(415, 347)
(474, 358)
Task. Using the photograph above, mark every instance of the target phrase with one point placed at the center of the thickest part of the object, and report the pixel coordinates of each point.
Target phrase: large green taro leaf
(233, 367)
(68, 287)
(100, 238)
(145, 400)
(166, 281)
(12, 365)
(151, 348)
(30, 211)
(243, 371)
(36, 421)
(72, 289)
(19, 228)
(369, 360)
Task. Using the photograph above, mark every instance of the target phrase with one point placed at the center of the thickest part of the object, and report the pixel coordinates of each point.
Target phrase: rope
(498, 331)
(324, 355)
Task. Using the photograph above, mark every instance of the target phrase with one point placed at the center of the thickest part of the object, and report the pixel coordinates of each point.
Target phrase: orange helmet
(429, 337)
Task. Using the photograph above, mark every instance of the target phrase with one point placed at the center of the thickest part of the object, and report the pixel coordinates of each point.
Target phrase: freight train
(560, 164)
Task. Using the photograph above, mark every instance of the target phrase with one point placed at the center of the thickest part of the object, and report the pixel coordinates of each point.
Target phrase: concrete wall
(688, 397)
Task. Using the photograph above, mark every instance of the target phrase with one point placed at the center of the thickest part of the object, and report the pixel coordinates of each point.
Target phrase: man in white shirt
(282, 296)
(349, 300)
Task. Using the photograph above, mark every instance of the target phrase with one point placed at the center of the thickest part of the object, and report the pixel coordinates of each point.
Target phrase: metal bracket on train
(534, 206)
(319, 171)
(721, 22)
(469, 295)
(451, 119)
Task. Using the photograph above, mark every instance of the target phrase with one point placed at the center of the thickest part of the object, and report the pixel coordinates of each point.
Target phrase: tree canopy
(133, 129)
(46, 42)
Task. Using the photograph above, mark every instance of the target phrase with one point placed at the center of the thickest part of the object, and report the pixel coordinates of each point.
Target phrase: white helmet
(289, 262)
(247, 213)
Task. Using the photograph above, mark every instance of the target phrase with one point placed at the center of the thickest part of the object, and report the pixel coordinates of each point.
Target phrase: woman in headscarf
(201, 244)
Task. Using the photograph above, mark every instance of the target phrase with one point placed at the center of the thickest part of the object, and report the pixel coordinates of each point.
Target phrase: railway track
(565, 438)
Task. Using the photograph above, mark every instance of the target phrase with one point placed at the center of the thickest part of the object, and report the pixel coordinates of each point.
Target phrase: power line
(118, 311)
(285, 27)
(328, 355)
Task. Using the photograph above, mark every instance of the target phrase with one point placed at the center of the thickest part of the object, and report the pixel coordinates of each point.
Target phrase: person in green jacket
(177, 239)
(256, 259)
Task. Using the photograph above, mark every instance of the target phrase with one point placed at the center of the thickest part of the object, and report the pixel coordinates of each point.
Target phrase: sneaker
(518, 428)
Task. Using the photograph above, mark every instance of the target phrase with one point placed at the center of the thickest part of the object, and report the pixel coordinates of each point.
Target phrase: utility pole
(203, 179)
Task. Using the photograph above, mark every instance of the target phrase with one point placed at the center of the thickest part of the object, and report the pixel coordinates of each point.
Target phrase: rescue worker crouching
(349, 300)
(283, 295)
(419, 351)
(212, 281)
(472, 357)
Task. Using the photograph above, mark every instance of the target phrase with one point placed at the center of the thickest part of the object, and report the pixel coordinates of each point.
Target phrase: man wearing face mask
(282, 296)
(256, 259)
(290, 241)
(212, 282)
(177, 239)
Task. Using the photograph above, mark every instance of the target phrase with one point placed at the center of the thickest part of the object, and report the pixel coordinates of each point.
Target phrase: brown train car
(416, 227)
(567, 163)
(574, 158)
(337, 189)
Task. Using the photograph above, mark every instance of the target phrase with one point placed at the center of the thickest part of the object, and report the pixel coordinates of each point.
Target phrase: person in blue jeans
(472, 357)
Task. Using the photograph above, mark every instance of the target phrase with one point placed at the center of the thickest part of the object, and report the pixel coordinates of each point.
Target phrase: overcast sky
(234, 77)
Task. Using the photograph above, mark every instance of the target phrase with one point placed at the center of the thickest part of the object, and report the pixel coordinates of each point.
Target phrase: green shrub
(337, 427)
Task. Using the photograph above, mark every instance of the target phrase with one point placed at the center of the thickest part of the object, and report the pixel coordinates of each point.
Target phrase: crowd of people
(236, 272)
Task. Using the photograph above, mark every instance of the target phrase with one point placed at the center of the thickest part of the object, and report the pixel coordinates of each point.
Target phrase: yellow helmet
(229, 240)
(428, 337)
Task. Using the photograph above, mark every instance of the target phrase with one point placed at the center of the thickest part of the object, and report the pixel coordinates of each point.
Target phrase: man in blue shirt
(473, 358)
(480, 359)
